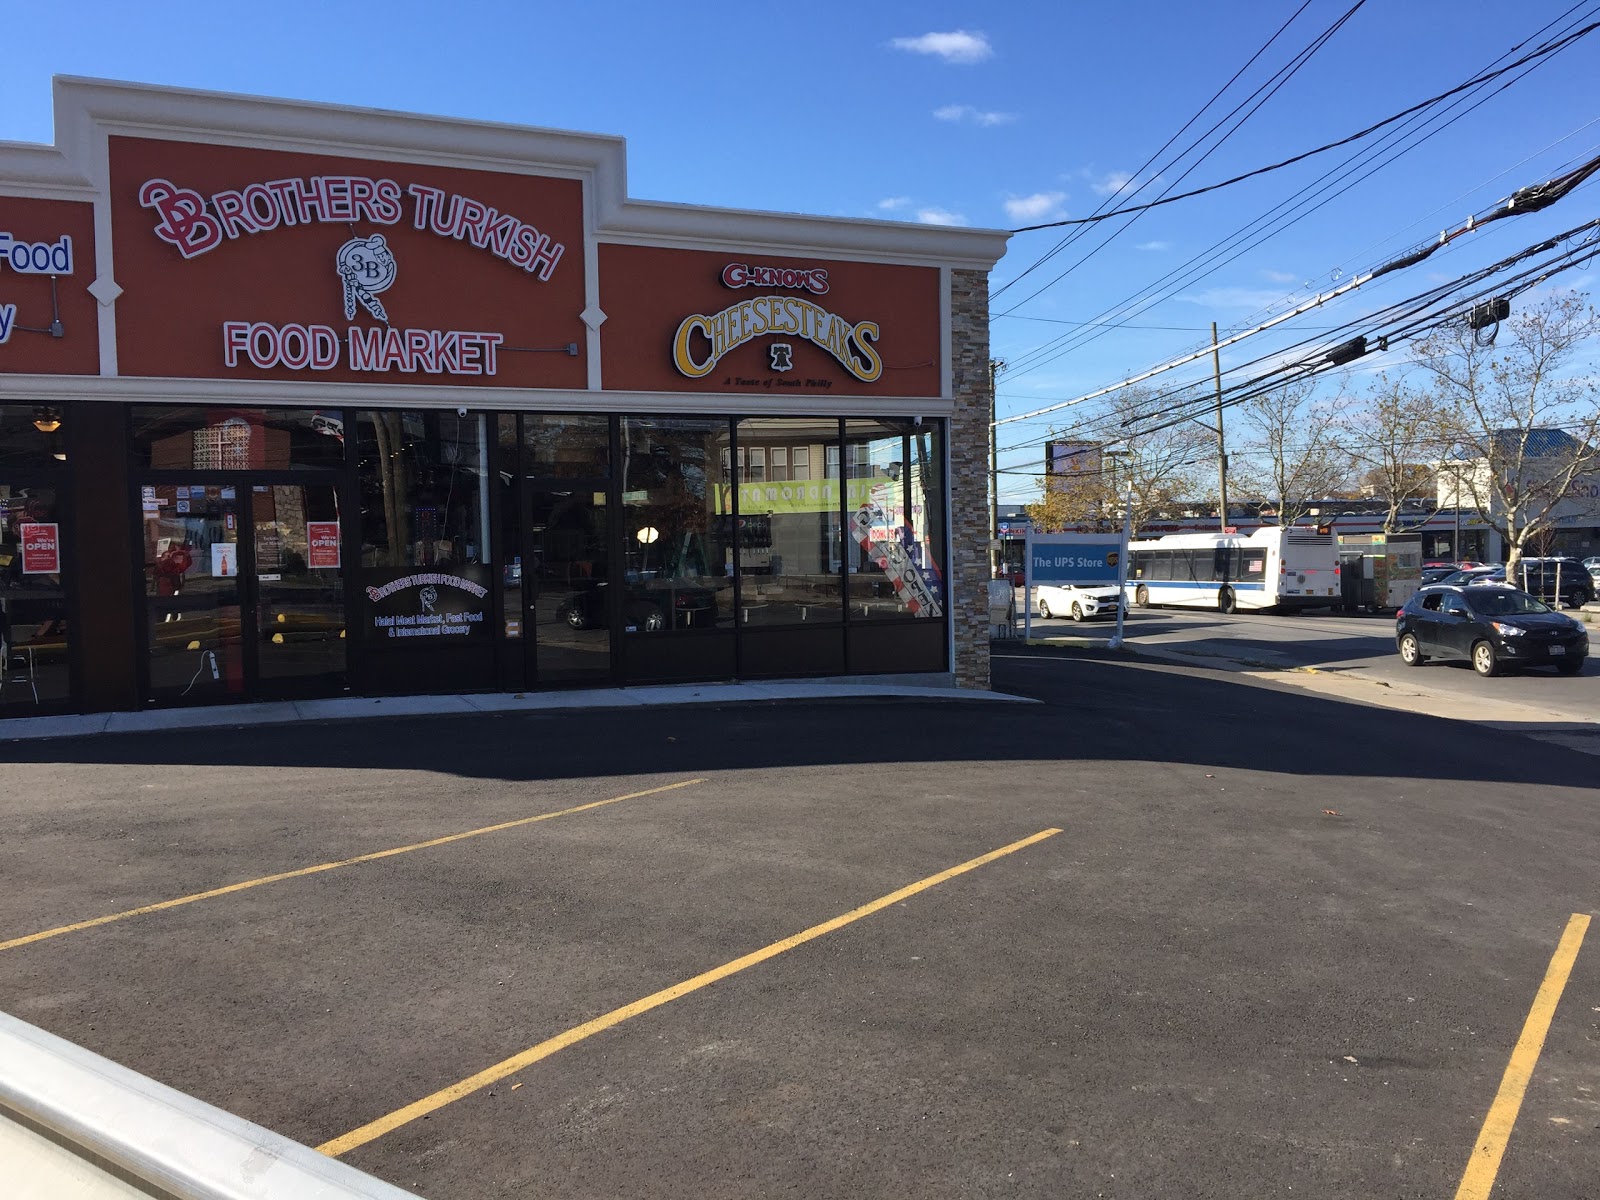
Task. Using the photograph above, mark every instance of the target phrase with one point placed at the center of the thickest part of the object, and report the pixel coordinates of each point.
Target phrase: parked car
(1492, 627)
(1556, 580)
(1474, 575)
(1078, 601)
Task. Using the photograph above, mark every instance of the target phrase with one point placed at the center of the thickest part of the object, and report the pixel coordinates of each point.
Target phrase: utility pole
(995, 367)
(1222, 446)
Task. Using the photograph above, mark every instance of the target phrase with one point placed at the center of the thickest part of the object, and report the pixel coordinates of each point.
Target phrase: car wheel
(1077, 611)
(576, 618)
(1484, 660)
(1576, 598)
(1225, 602)
(1411, 651)
(654, 621)
(1569, 666)
(1044, 608)
(1142, 597)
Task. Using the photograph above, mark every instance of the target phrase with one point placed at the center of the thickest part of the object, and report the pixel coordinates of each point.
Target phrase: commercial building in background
(298, 400)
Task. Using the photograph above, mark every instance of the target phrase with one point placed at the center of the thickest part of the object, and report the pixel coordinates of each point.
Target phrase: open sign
(41, 548)
(322, 545)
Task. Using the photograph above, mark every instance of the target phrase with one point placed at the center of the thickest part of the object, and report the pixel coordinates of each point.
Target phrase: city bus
(1271, 568)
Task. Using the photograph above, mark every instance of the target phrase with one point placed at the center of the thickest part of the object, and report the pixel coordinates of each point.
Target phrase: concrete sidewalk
(357, 708)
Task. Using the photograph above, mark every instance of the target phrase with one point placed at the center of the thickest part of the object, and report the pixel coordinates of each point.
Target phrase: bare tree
(1163, 467)
(1290, 451)
(1522, 428)
(1393, 433)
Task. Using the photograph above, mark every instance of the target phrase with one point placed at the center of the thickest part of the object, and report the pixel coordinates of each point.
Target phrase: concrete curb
(119, 1133)
(358, 708)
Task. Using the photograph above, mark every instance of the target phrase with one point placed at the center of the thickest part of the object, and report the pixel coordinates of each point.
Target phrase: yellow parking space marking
(1484, 1165)
(517, 1062)
(301, 872)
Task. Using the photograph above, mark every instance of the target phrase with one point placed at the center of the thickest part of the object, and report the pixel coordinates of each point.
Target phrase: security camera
(461, 412)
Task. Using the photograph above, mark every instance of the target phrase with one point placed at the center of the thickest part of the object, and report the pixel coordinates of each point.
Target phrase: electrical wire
(1271, 86)
(1191, 270)
(1554, 48)
(1217, 95)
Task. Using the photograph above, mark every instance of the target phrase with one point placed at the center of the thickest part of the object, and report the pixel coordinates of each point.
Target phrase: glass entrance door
(194, 608)
(244, 591)
(566, 586)
(298, 594)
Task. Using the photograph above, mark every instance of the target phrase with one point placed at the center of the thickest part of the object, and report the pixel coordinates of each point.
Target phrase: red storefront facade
(305, 401)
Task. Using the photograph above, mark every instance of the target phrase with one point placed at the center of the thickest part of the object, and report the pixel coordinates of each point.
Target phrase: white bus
(1272, 568)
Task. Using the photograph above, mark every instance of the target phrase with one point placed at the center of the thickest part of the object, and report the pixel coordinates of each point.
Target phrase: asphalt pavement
(1359, 645)
(1166, 933)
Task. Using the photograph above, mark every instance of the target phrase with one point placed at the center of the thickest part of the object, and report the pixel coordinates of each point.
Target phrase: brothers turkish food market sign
(270, 264)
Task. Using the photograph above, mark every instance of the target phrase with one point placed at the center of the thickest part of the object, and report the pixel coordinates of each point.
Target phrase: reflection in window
(790, 540)
(424, 489)
(557, 446)
(890, 500)
(33, 609)
(218, 438)
(32, 435)
(676, 537)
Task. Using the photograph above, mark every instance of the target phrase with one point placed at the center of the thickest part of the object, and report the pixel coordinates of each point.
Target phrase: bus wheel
(1225, 604)
(1142, 597)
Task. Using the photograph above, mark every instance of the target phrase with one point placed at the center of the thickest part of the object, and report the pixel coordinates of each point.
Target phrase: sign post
(1122, 571)
(1087, 559)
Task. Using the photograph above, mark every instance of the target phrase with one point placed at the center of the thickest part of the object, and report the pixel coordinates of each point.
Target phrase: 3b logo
(184, 220)
(367, 267)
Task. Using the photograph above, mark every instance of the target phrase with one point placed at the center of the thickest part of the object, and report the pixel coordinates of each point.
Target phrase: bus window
(1222, 563)
(1254, 565)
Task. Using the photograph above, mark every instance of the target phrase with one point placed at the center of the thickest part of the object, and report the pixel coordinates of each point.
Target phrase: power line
(1553, 48)
(1275, 82)
(1217, 95)
(1143, 299)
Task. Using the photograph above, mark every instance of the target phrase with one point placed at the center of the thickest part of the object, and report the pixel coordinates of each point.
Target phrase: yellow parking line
(331, 866)
(1484, 1165)
(517, 1062)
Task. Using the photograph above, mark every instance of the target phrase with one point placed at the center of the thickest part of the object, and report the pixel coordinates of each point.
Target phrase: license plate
(1554, 650)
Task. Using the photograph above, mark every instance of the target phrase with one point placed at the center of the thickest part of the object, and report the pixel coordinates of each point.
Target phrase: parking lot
(1159, 934)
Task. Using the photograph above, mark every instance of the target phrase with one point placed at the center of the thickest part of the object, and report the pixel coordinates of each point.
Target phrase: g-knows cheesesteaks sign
(702, 340)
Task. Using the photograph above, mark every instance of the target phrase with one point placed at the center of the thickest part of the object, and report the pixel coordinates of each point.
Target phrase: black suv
(1556, 579)
(1491, 626)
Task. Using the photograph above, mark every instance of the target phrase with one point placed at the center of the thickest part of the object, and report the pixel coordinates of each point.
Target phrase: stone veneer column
(969, 476)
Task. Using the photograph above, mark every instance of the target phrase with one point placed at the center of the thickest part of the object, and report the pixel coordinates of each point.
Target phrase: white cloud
(1154, 246)
(973, 116)
(890, 203)
(958, 46)
(1281, 276)
(1038, 207)
(1110, 183)
(940, 216)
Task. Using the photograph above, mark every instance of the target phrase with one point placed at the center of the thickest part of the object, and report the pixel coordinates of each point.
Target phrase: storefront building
(304, 401)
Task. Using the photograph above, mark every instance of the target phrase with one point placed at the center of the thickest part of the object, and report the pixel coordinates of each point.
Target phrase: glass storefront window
(34, 672)
(32, 435)
(893, 563)
(193, 603)
(424, 489)
(677, 527)
(558, 446)
(790, 540)
(220, 438)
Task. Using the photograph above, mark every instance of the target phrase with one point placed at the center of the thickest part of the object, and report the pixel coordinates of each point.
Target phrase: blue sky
(1019, 113)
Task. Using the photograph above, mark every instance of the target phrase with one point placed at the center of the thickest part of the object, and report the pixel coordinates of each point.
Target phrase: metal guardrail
(74, 1124)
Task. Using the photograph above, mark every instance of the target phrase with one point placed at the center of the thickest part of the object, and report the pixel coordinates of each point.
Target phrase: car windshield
(1504, 603)
(1460, 577)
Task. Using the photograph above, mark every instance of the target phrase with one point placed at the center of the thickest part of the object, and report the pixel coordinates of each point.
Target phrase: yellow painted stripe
(300, 872)
(517, 1062)
(1484, 1165)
